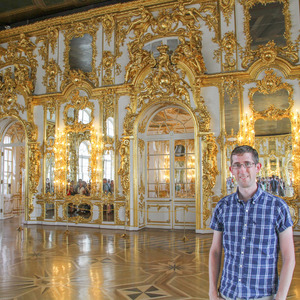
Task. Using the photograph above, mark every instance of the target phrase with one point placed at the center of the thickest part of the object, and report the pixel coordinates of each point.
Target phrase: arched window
(84, 116)
(110, 127)
(170, 119)
(84, 161)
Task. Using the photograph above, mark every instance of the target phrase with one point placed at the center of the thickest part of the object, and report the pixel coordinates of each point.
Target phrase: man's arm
(215, 255)
(287, 250)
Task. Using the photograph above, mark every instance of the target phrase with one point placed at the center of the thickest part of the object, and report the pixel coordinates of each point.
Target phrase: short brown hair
(239, 150)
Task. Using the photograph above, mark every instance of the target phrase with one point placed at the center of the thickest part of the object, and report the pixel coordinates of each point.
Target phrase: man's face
(245, 176)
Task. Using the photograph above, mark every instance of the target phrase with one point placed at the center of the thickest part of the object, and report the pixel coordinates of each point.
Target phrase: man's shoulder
(277, 201)
(225, 201)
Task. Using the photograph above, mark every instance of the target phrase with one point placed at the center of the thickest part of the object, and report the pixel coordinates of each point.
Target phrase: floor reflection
(44, 262)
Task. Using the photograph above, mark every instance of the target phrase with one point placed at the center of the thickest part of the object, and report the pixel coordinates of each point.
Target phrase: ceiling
(15, 13)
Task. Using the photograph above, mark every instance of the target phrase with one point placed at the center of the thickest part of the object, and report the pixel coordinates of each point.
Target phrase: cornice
(40, 27)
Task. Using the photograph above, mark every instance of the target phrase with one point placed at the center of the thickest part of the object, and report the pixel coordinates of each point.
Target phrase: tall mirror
(273, 141)
(79, 163)
(271, 103)
(78, 118)
(108, 184)
(49, 139)
(49, 154)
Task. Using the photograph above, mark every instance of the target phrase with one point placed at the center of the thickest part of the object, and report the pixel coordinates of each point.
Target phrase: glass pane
(190, 146)
(164, 190)
(153, 162)
(171, 119)
(191, 176)
(161, 147)
(5, 189)
(180, 190)
(152, 190)
(164, 161)
(152, 176)
(110, 127)
(191, 161)
(164, 176)
(84, 116)
(190, 190)
(180, 176)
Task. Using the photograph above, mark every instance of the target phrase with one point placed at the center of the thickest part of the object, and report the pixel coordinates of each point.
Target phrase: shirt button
(246, 210)
(245, 225)
(243, 237)
(240, 279)
(241, 266)
(242, 252)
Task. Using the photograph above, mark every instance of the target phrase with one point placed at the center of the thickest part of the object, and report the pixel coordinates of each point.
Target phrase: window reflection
(110, 127)
(108, 172)
(84, 160)
(172, 119)
(84, 116)
(108, 212)
(184, 168)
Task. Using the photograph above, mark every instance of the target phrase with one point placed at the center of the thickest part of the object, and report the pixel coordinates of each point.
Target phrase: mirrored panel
(108, 172)
(49, 152)
(49, 211)
(108, 213)
(275, 152)
(82, 210)
(184, 168)
(232, 113)
(267, 23)
(50, 163)
(79, 163)
(81, 53)
(279, 99)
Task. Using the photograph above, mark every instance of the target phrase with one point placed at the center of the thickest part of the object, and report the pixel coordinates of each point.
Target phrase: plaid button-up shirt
(251, 243)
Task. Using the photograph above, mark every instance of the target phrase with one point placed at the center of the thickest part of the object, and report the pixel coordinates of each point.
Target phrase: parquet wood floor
(46, 262)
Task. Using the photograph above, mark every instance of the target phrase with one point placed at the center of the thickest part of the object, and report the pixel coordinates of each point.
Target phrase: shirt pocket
(262, 234)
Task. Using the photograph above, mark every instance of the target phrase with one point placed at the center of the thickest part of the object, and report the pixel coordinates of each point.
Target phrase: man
(252, 225)
(274, 185)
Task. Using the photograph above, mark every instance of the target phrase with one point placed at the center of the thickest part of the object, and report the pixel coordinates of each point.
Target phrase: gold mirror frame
(76, 205)
(78, 103)
(76, 31)
(267, 53)
(269, 85)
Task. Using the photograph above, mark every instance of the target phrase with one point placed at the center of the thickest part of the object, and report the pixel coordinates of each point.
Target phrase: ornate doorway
(170, 170)
(12, 167)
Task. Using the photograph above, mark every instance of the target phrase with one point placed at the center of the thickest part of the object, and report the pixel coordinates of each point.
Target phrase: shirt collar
(253, 200)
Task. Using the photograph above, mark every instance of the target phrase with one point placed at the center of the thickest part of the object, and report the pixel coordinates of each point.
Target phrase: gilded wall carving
(51, 67)
(19, 73)
(210, 172)
(34, 166)
(227, 7)
(108, 23)
(108, 64)
(228, 44)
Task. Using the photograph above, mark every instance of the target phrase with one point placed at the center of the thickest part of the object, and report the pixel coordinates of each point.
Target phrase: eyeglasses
(246, 165)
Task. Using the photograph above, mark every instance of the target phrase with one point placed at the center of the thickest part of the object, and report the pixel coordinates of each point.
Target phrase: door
(170, 165)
